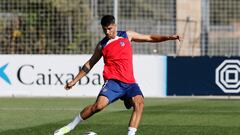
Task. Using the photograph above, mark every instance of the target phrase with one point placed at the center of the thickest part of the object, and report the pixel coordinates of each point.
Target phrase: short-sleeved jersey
(117, 54)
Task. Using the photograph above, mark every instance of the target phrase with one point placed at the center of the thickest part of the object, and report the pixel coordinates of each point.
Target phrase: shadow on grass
(48, 129)
(116, 129)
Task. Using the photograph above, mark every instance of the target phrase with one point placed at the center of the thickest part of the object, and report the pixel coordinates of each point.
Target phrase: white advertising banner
(46, 75)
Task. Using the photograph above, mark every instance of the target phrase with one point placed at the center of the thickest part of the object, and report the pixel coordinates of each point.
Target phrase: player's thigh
(101, 102)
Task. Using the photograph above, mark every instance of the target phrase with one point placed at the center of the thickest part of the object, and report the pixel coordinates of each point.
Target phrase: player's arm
(137, 37)
(86, 67)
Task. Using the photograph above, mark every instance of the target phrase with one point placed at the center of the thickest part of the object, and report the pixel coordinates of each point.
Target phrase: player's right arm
(86, 67)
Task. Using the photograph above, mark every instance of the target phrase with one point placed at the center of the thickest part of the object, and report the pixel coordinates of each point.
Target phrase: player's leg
(134, 99)
(138, 105)
(100, 104)
(87, 112)
(108, 94)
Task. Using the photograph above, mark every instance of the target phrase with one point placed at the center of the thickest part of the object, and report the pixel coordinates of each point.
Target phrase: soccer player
(116, 50)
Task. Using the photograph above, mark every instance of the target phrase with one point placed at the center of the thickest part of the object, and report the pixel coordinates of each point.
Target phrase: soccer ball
(90, 133)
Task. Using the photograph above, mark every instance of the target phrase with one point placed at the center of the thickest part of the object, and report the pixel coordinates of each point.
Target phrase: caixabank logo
(4, 75)
(227, 76)
(30, 74)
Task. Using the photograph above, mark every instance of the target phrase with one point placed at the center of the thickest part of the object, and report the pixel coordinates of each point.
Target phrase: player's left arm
(137, 37)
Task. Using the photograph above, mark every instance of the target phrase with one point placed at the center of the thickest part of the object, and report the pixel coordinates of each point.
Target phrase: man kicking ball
(116, 50)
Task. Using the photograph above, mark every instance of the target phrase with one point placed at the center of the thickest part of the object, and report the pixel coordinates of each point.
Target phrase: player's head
(107, 20)
(108, 25)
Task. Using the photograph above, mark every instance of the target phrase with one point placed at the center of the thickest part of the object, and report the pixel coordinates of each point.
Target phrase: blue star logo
(3, 74)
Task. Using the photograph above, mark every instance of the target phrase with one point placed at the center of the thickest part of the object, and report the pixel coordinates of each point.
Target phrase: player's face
(110, 31)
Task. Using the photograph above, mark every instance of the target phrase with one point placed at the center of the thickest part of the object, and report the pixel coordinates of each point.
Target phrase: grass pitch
(163, 116)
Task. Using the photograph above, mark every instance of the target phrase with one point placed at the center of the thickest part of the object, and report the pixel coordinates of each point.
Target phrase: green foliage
(48, 20)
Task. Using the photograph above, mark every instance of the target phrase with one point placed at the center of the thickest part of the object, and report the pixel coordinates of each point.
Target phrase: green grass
(164, 116)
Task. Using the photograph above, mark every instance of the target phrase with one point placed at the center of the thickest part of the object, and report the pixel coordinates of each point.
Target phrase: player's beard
(112, 35)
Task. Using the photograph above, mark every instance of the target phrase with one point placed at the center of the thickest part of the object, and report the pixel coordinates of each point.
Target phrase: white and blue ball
(90, 133)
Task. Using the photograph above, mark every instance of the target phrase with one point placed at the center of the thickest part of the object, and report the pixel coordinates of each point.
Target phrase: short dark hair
(107, 20)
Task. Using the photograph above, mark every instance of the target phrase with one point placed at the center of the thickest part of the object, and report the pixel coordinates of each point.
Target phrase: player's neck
(113, 37)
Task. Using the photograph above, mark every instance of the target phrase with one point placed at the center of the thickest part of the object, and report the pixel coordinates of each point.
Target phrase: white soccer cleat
(62, 131)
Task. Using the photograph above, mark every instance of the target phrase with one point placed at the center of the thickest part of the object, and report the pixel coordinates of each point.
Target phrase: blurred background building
(209, 27)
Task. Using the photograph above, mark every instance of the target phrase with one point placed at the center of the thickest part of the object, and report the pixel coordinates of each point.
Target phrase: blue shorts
(114, 90)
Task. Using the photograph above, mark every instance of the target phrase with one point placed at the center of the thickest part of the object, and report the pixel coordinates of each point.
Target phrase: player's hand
(69, 85)
(176, 37)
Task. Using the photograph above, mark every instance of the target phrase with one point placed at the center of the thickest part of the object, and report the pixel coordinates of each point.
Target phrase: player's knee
(138, 104)
(138, 107)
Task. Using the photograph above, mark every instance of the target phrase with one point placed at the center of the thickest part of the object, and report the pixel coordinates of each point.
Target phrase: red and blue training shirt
(117, 54)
